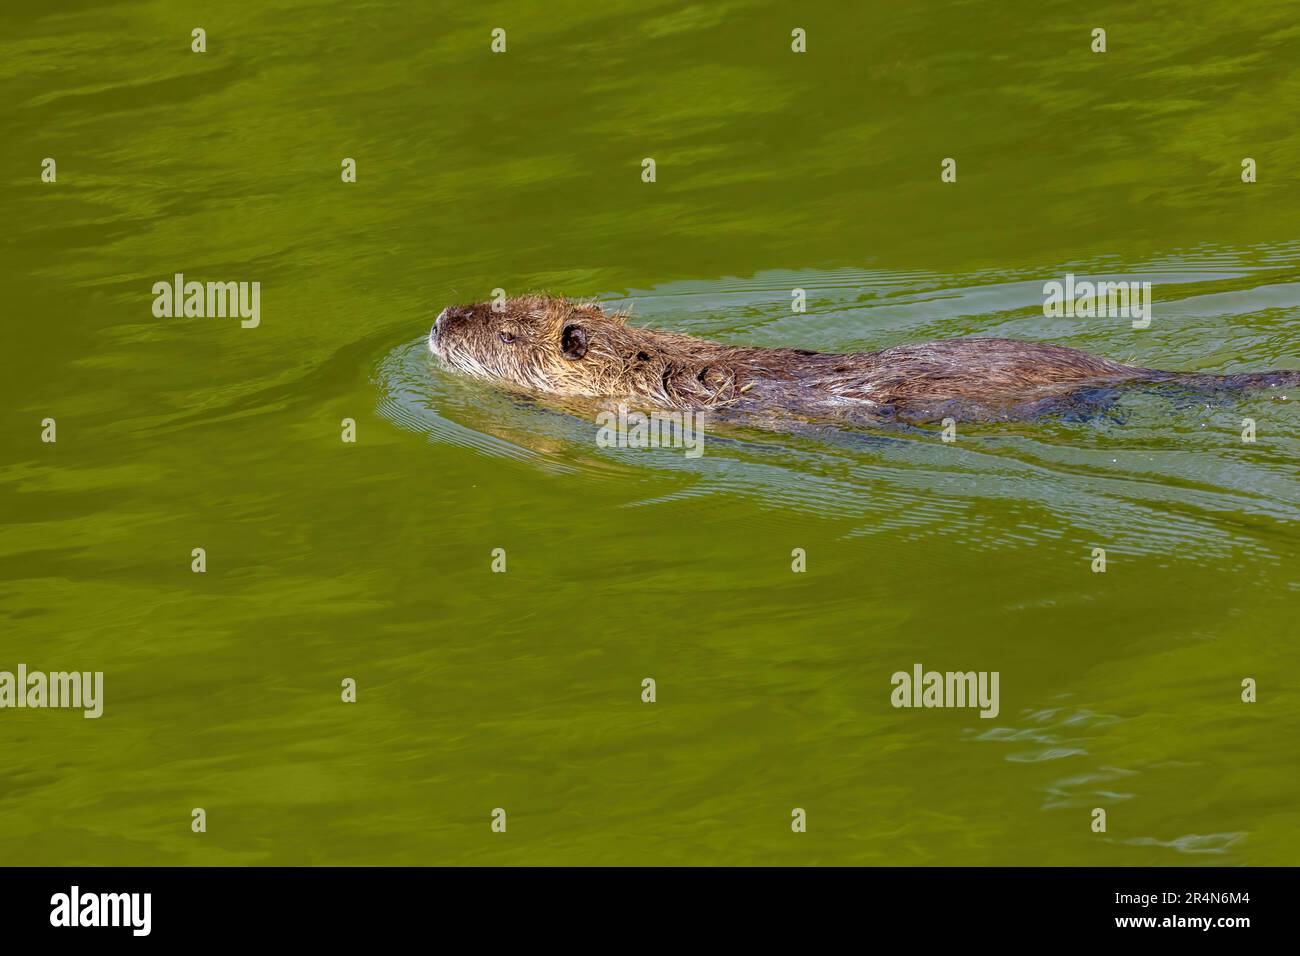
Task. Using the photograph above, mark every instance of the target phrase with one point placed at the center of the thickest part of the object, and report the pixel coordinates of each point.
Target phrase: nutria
(553, 346)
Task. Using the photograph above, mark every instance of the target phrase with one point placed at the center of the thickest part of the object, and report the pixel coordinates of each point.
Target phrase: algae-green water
(371, 560)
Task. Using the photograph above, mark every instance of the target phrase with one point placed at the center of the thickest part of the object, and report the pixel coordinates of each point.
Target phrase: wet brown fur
(566, 348)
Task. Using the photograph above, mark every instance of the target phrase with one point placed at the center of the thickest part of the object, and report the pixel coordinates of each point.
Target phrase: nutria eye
(507, 338)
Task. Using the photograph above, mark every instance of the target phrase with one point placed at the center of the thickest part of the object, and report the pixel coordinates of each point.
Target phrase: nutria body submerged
(552, 346)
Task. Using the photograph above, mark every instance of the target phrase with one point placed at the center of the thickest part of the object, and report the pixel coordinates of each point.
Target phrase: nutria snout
(554, 346)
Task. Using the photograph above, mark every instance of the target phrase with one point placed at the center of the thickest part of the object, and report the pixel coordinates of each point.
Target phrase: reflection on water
(1165, 471)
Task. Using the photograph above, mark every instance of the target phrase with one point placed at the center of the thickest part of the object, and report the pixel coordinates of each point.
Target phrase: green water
(477, 690)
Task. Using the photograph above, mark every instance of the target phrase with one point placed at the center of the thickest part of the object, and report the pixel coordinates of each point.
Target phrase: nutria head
(560, 347)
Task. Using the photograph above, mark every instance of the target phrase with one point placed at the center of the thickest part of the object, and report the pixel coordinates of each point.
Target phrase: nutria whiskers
(554, 346)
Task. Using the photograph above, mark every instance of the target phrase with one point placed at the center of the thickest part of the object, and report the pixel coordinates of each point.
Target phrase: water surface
(521, 690)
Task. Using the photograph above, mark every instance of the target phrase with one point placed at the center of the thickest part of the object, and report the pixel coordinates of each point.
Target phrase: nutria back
(548, 345)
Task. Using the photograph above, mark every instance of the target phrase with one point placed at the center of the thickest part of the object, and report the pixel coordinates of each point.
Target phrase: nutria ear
(573, 342)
